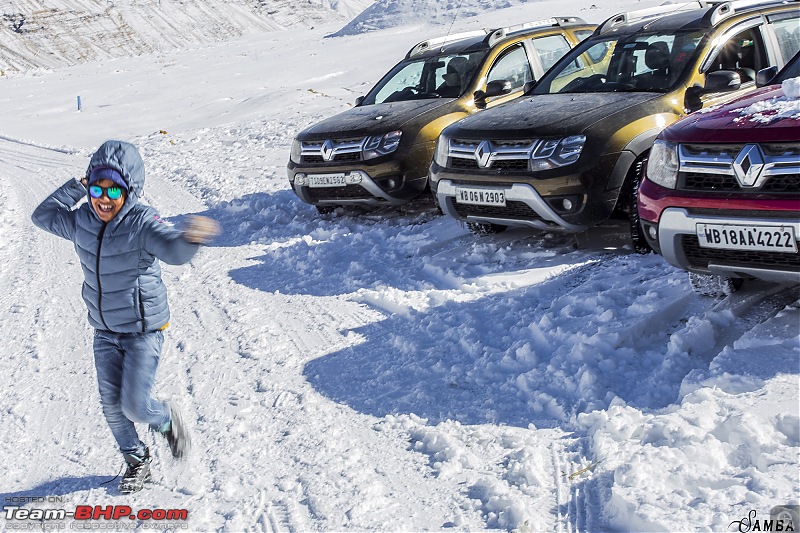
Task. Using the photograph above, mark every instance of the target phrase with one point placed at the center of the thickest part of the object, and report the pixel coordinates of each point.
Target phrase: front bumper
(679, 245)
(361, 189)
(394, 179)
(524, 207)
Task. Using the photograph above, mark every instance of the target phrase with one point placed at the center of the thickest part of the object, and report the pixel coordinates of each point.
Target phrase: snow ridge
(38, 34)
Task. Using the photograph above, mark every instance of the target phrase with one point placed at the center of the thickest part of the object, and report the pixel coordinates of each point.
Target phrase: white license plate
(730, 237)
(327, 180)
(481, 197)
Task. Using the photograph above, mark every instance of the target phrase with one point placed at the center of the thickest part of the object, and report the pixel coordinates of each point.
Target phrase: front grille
(336, 150)
(709, 182)
(337, 193)
(513, 165)
(720, 167)
(785, 184)
(789, 184)
(700, 257)
(512, 210)
(502, 155)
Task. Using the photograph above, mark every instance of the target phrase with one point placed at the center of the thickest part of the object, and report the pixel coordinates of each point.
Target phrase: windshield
(445, 76)
(631, 63)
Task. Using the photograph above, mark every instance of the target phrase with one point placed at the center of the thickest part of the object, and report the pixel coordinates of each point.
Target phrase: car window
(444, 76)
(743, 53)
(550, 49)
(513, 66)
(639, 62)
(583, 34)
(787, 32)
(408, 79)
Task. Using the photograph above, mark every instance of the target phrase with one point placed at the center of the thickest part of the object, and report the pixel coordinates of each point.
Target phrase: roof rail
(501, 33)
(439, 41)
(649, 13)
(724, 9)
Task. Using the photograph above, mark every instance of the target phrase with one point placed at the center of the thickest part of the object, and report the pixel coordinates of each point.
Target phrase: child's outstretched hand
(201, 230)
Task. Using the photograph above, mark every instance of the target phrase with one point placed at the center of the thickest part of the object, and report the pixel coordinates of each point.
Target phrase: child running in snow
(120, 242)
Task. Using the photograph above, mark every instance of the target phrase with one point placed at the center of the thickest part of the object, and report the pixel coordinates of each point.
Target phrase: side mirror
(691, 99)
(497, 88)
(716, 82)
(765, 76)
(722, 80)
(359, 100)
(480, 99)
(493, 88)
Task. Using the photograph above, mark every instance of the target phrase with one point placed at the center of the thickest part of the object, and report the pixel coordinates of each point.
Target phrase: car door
(513, 65)
(744, 48)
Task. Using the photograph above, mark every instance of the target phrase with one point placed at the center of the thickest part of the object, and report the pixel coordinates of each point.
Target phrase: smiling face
(106, 208)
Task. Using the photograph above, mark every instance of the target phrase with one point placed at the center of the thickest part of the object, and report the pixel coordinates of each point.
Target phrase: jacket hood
(548, 114)
(372, 119)
(125, 159)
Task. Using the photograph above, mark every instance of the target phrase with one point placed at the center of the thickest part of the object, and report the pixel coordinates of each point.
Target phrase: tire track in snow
(45, 332)
(725, 321)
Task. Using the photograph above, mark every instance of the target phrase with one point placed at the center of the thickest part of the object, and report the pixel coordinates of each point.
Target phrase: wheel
(485, 228)
(640, 245)
(714, 286)
(325, 209)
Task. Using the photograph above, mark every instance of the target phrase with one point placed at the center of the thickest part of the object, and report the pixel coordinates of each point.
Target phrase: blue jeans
(126, 367)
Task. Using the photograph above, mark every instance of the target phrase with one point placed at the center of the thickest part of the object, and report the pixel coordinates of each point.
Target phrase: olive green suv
(378, 152)
(573, 149)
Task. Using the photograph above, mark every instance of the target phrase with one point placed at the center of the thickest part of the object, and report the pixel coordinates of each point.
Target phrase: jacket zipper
(97, 273)
(141, 310)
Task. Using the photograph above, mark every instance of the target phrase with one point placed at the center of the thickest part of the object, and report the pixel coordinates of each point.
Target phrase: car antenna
(451, 24)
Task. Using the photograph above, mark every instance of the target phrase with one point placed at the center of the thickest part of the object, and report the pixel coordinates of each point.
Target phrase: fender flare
(630, 154)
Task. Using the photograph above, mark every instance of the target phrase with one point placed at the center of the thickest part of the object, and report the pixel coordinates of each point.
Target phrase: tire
(325, 209)
(485, 228)
(640, 245)
(714, 286)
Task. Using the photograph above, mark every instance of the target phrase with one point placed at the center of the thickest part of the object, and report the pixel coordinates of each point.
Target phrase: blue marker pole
(79, 103)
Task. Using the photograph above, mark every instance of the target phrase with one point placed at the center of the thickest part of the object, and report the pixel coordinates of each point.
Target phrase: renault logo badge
(483, 154)
(748, 166)
(327, 150)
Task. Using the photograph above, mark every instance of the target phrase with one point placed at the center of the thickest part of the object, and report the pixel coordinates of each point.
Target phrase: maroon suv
(721, 197)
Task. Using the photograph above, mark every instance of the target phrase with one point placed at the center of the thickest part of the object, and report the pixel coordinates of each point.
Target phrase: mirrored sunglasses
(113, 193)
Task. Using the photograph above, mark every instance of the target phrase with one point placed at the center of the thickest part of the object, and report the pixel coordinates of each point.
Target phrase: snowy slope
(445, 13)
(35, 33)
(383, 371)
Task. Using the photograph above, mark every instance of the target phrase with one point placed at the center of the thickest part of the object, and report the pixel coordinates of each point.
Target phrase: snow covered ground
(381, 372)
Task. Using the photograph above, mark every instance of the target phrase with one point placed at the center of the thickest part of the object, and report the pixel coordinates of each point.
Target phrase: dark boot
(137, 473)
(177, 434)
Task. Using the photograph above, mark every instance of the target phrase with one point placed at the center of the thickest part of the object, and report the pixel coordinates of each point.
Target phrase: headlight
(662, 165)
(378, 145)
(442, 151)
(295, 155)
(554, 153)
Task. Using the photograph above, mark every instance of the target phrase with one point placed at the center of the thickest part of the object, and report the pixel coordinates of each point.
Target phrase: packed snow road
(386, 372)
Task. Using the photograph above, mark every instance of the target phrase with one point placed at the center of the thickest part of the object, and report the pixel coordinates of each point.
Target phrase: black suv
(378, 153)
(573, 149)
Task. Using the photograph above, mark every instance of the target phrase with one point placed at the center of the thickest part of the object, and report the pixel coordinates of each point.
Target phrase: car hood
(372, 119)
(766, 115)
(548, 114)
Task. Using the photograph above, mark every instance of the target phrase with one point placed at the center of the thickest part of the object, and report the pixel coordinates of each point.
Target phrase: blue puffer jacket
(122, 284)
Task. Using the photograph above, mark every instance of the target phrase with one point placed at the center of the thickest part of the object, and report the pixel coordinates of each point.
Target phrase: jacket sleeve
(165, 241)
(55, 213)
